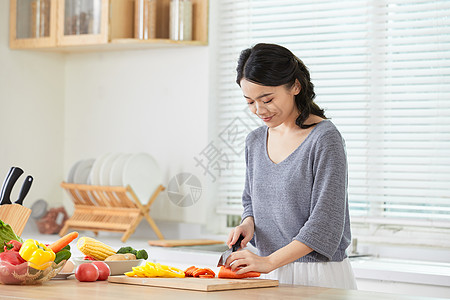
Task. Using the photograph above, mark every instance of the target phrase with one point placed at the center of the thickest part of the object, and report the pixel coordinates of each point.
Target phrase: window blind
(381, 70)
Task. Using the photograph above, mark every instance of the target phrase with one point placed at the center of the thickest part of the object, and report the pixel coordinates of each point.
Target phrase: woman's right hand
(246, 229)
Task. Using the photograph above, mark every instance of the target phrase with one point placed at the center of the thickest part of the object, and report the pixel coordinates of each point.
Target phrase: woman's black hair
(274, 65)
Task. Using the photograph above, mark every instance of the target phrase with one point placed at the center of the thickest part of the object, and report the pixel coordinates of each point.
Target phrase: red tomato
(103, 270)
(86, 272)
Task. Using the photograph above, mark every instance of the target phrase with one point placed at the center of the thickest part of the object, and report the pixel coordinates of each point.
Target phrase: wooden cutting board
(196, 284)
(177, 243)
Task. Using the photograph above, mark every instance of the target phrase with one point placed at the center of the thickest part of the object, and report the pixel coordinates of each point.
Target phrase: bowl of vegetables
(119, 262)
(26, 274)
(29, 261)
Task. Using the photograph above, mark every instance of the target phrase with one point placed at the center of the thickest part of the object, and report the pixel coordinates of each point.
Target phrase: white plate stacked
(142, 173)
(138, 170)
(80, 171)
(116, 172)
(95, 170)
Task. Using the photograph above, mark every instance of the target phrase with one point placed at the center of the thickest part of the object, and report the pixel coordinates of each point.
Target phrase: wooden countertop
(72, 289)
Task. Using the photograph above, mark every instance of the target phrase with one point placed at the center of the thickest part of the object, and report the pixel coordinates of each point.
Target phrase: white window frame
(376, 226)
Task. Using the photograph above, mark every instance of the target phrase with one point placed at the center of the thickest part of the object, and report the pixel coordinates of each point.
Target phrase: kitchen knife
(223, 258)
(5, 182)
(10, 181)
(24, 190)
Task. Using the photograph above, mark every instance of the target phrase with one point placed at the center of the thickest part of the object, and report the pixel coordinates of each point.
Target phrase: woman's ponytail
(305, 99)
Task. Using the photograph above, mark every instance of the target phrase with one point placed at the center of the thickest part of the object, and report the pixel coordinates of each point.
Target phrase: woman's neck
(289, 125)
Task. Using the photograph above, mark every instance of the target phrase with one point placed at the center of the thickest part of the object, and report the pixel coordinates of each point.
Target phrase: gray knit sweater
(302, 198)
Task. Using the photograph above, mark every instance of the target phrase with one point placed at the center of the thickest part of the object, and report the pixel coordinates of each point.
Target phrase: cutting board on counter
(177, 243)
(196, 284)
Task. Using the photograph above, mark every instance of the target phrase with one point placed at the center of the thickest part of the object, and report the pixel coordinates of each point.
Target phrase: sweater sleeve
(246, 198)
(325, 226)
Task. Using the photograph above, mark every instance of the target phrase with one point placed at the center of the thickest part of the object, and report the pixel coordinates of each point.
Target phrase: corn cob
(94, 248)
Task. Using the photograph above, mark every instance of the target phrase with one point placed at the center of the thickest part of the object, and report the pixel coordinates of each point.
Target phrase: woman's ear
(297, 87)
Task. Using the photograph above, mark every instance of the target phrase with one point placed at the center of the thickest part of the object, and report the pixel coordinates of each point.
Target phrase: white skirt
(324, 274)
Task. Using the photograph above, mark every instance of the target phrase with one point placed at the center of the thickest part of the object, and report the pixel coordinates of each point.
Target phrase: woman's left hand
(248, 261)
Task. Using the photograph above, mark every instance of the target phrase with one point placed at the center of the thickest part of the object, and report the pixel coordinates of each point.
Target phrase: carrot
(198, 272)
(64, 241)
(227, 273)
(203, 271)
(188, 272)
(210, 272)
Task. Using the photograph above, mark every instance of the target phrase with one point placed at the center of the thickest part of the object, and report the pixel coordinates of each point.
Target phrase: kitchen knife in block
(9, 184)
(6, 181)
(224, 256)
(25, 188)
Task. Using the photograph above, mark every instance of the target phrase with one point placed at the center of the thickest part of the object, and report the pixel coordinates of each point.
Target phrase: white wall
(153, 101)
(31, 116)
(59, 108)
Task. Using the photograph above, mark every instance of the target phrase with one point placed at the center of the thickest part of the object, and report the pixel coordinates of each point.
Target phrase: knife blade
(10, 181)
(5, 182)
(223, 258)
(24, 190)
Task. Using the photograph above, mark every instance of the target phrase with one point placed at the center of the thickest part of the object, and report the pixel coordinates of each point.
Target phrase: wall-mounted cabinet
(83, 22)
(86, 25)
(32, 23)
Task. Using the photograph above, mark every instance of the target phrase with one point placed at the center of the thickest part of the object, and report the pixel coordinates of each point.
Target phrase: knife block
(108, 208)
(15, 215)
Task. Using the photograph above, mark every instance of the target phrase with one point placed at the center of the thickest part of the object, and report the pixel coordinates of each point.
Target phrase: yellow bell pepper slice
(150, 271)
(155, 270)
(167, 271)
(138, 271)
(37, 255)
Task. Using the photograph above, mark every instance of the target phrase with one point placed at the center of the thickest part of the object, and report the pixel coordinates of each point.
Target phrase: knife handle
(238, 243)
(5, 182)
(25, 188)
(10, 181)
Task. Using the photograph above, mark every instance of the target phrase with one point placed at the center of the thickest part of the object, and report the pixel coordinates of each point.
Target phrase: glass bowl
(24, 274)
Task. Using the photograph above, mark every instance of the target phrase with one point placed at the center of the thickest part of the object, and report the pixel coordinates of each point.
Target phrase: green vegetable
(62, 255)
(66, 248)
(141, 254)
(7, 234)
(125, 250)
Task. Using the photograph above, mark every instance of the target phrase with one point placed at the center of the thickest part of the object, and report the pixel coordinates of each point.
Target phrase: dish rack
(108, 208)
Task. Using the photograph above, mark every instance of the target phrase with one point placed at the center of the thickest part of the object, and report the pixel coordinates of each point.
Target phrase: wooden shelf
(144, 43)
(116, 32)
(122, 45)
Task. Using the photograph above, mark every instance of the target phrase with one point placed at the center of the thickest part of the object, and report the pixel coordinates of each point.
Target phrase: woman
(295, 196)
